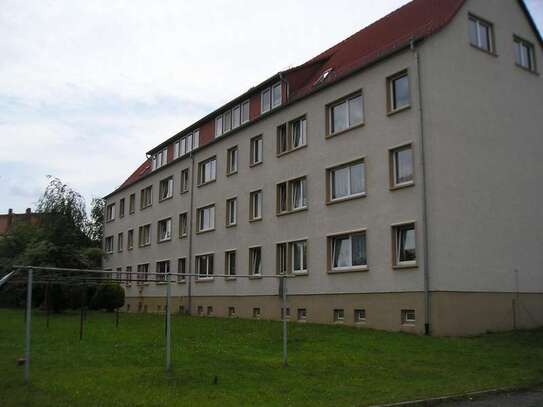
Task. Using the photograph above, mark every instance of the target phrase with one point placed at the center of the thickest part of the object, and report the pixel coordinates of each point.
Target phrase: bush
(109, 297)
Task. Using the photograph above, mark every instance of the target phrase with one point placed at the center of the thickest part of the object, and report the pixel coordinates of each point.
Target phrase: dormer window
(232, 119)
(160, 159)
(270, 98)
(186, 144)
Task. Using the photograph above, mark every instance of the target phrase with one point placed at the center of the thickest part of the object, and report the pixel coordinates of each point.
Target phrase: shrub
(109, 297)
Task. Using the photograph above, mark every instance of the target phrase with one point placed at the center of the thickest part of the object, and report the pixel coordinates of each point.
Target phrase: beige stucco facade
(474, 117)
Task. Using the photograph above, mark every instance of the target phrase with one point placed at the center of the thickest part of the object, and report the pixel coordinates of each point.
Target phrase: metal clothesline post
(28, 325)
(168, 325)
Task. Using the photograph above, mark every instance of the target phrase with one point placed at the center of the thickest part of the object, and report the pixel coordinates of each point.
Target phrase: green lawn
(329, 365)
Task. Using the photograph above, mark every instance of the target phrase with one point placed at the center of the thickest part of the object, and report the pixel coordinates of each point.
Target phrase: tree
(109, 297)
(95, 228)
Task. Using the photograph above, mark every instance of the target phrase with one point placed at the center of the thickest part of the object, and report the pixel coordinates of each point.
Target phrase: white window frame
(245, 107)
(184, 183)
(519, 44)
(232, 155)
(141, 231)
(331, 172)
(255, 201)
(394, 157)
(392, 94)
(142, 271)
(208, 274)
(167, 231)
(396, 234)
(120, 241)
(332, 247)
(181, 273)
(160, 275)
(183, 225)
(479, 22)
(228, 263)
(144, 193)
(130, 239)
(110, 212)
(339, 315)
(360, 315)
(201, 218)
(346, 100)
(303, 256)
(212, 161)
(273, 88)
(252, 256)
(218, 126)
(257, 150)
(231, 216)
(108, 244)
(169, 188)
(408, 316)
(264, 99)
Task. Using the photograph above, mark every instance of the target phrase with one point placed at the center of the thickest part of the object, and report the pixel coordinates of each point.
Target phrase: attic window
(323, 76)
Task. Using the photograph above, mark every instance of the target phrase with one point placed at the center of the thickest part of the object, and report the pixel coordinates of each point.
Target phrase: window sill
(161, 283)
(181, 282)
(301, 273)
(404, 266)
(349, 270)
(526, 69)
(491, 53)
(130, 248)
(164, 240)
(182, 236)
(347, 198)
(398, 110)
(203, 184)
(144, 245)
(255, 277)
(402, 185)
(201, 232)
(339, 322)
(231, 225)
(356, 126)
(204, 280)
(231, 278)
(110, 220)
(145, 207)
(229, 174)
(292, 211)
(165, 199)
(131, 213)
(291, 150)
(183, 192)
(255, 220)
(256, 164)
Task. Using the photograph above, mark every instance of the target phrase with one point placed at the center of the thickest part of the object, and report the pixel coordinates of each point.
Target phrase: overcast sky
(87, 87)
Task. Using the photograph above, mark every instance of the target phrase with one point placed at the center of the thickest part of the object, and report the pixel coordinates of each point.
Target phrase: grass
(329, 365)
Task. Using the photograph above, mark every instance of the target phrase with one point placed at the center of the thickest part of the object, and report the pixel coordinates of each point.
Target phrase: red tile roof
(414, 21)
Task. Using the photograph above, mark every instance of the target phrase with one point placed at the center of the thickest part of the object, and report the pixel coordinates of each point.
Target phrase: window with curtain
(255, 259)
(348, 251)
(347, 181)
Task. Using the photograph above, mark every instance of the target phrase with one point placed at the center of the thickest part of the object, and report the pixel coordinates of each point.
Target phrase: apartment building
(396, 175)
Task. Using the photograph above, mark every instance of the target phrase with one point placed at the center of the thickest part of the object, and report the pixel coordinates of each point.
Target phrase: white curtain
(342, 252)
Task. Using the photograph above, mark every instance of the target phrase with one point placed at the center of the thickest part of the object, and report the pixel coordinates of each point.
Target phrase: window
(231, 211)
(346, 181)
(265, 100)
(227, 121)
(165, 189)
(186, 144)
(108, 244)
(120, 242)
(301, 314)
(404, 245)
(360, 315)
(162, 269)
(146, 197)
(255, 261)
(128, 276)
(481, 34)
(200, 310)
(110, 212)
(183, 225)
(339, 315)
(206, 218)
(524, 54)
(130, 239)
(346, 113)
(245, 112)
(164, 230)
(143, 273)
(231, 312)
(401, 166)
(204, 266)
(256, 150)
(408, 316)
(256, 205)
(181, 269)
(236, 117)
(348, 251)
(291, 136)
(218, 126)
(132, 204)
(398, 91)
(209, 310)
(232, 160)
(292, 257)
(159, 159)
(144, 235)
(184, 180)
(256, 312)
(230, 263)
(276, 95)
(121, 208)
(207, 171)
(291, 195)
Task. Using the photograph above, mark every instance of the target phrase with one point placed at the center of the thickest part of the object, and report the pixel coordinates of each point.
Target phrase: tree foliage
(108, 297)
(63, 237)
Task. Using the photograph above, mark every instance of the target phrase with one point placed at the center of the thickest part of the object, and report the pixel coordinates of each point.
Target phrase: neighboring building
(7, 220)
(397, 174)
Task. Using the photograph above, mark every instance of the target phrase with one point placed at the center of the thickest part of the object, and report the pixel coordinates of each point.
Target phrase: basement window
(408, 316)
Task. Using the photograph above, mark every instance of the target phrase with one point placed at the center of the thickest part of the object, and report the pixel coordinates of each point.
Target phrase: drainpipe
(191, 192)
(426, 268)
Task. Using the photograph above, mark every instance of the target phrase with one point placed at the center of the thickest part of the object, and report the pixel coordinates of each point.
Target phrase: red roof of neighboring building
(414, 21)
